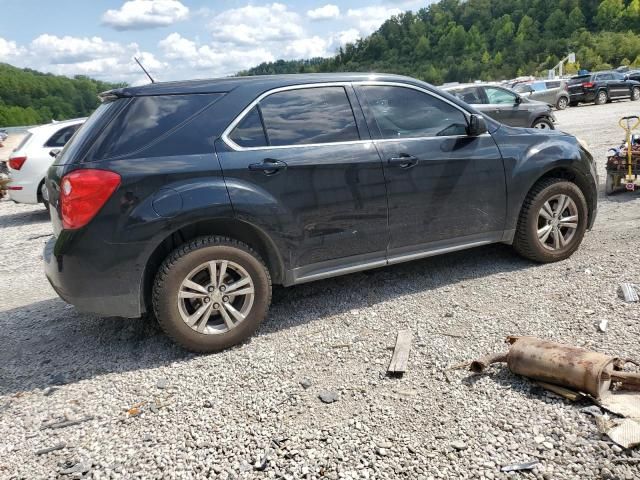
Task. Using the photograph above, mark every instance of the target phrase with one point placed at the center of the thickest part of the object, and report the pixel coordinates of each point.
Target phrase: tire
(635, 94)
(527, 242)
(543, 124)
(611, 184)
(562, 103)
(191, 263)
(601, 98)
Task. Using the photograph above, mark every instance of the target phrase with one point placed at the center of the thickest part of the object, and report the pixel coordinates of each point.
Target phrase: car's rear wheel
(552, 221)
(601, 98)
(211, 293)
(543, 124)
(562, 103)
(635, 94)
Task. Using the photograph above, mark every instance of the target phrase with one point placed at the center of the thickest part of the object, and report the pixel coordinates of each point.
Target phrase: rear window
(146, 120)
(75, 146)
(24, 141)
(578, 79)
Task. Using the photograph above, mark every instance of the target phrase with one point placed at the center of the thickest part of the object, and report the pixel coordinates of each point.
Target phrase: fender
(528, 156)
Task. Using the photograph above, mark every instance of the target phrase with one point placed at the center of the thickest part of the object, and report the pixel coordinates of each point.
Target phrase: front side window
(61, 137)
(307, 116)
(406, 112)
(498, 96)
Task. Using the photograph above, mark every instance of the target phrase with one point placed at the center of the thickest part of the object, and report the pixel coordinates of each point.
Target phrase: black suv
(602, 87)
(189, 199)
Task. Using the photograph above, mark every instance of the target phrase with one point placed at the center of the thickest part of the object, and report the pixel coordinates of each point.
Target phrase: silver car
(505, 105)
(553, 92)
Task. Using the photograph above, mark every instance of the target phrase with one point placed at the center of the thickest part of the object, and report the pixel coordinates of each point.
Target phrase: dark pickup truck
(602, 87)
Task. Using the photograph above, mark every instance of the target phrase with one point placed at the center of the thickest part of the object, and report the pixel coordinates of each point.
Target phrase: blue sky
(179, 38)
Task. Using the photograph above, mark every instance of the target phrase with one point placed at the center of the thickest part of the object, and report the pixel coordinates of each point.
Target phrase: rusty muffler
(572, 367)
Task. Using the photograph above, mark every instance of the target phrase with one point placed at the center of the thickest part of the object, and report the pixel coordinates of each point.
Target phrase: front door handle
(404, 160)
(269, 166)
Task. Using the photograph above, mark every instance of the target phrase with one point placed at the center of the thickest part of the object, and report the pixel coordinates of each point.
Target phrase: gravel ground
(151, 410)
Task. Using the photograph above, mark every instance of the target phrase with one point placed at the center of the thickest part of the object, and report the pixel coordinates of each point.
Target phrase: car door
(619, 85)
(305, 154)
(445, 188)
(505, 107)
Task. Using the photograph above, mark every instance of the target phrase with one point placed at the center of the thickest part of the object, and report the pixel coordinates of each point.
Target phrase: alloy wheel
(557, 222)
(542, 126)
(635, 94)
(216, 297)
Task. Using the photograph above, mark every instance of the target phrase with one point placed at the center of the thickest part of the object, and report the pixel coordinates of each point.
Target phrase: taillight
(17, 162)
(588, 84)
(83, 193)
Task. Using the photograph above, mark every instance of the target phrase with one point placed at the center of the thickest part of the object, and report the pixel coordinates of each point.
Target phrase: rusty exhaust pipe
(572, 367)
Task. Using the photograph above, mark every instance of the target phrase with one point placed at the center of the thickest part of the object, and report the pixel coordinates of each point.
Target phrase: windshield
(85, 133)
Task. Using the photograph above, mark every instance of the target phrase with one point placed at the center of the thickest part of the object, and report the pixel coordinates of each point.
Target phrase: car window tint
(61, 137)
(617, 76)
(470, 95)
(500, 96)
(405, 112)
(148, 118)
(309, 115)
(553, 84)
(522, 88)
(538, 86)
(250, 131)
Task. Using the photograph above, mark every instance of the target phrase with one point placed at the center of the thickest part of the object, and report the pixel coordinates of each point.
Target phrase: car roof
(55, 126)
(258, 82)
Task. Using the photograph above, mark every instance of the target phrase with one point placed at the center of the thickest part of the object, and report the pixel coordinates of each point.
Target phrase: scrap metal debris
(46, 450)
(629, 293)
(574, 373)
(400, 358)
(521, 466)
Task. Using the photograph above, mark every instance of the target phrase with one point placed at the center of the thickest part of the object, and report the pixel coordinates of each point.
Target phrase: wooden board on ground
(400, 356)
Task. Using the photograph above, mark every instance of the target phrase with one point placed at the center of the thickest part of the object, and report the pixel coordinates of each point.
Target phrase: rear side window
(61, 137)
(470, 95)
(250, 131)
(146, 119)
(307, 116)
(405, 112)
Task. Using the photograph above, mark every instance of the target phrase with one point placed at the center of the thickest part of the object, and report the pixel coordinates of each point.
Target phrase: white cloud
(346, 36)
(73, 49)
(307, 48)
(141, 14)
(326, 12)
(369, 19)
(215, 61)
(9, 50)
(251, 25)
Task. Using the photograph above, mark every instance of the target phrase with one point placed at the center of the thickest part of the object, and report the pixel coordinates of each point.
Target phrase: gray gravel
(147, 409)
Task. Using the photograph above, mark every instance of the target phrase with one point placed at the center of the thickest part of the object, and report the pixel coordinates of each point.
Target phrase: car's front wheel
(543, 124)
(552, 221)
(211, 293)
(635, 94)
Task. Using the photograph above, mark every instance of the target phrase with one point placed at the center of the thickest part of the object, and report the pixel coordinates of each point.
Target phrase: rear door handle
(404, 160)
(269, 166)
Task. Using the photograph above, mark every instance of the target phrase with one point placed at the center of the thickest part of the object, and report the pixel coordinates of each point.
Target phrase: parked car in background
(632, 75)
(189, 199)
(553, 92)
(602, 87)
(29, 162)
(505, 105)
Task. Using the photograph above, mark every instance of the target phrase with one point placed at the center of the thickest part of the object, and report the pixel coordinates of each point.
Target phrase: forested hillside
(28, 97)
(455, 40)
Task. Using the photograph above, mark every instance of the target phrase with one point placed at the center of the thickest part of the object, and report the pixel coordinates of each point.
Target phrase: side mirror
(518, 99)
(54, 153)
(477, 125)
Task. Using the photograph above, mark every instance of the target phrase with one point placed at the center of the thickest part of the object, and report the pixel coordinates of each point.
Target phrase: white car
(29, 162)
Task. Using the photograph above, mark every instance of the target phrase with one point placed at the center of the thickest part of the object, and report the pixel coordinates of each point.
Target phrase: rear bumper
(584, 97)
(89, 286)
(27, 193)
